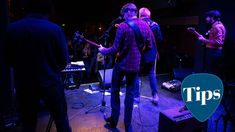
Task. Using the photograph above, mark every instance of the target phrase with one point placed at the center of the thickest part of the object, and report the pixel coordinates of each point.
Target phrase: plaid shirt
(126, 47)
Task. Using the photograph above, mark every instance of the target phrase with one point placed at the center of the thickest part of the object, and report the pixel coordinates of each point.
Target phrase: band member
(128, 64)
(149, 59)
(214, 42)
(38, 79)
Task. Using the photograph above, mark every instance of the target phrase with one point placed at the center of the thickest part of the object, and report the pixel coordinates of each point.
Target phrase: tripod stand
(105, 36)
(103, 102)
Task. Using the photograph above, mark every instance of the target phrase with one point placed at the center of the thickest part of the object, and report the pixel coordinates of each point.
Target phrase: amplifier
(172, 120)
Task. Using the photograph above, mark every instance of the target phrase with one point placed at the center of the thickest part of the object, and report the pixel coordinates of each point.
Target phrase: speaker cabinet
(172, 120)
(108, 78)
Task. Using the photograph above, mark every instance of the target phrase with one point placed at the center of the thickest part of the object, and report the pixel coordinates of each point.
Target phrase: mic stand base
(103, 103)
(102, 106)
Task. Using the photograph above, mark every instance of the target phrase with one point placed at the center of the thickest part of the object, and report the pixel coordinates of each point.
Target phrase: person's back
(148, 62)
(127, 64)
(145, 14)
(155, 27)
(34, 50)
(37, 52)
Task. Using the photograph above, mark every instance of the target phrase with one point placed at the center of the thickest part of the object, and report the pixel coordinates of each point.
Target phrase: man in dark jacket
(37, 52)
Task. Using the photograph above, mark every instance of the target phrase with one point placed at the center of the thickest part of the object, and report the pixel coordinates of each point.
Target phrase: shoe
(107, 126)
(136, 100)
(155, 99)
(109, 122)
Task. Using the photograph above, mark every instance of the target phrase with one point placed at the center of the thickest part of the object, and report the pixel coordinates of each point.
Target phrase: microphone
(116, 20)
(110, 27)
(75, 36)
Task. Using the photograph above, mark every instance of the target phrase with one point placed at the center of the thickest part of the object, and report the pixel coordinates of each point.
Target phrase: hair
(144, 12)
(39, 6)
(214, 13)
(127, 5)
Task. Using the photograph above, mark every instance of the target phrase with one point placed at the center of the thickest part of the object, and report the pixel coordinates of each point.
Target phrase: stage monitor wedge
(172, 120)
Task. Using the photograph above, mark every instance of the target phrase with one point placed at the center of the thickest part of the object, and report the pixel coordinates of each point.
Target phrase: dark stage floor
(84, 117)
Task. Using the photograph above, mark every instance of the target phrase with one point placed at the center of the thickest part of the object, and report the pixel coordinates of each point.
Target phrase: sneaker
(155, 99)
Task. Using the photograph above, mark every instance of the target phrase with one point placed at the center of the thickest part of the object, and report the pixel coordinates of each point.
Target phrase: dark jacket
(37, 51)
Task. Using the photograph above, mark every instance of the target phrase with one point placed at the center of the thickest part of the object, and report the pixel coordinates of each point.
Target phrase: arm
(157, 34)
(61, 50)
(217, 36)
(116, 45)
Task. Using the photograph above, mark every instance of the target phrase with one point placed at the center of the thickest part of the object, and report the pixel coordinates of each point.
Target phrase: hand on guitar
(198, 35)
(193, 30)
(81, 37)
(202, 39)
(101, 49)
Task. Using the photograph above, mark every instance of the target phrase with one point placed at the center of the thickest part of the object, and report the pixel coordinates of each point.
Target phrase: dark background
(180, 48)
(174, 16)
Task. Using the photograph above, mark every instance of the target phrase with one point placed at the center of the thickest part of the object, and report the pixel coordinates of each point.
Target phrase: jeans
(149, 69)
(117, 77)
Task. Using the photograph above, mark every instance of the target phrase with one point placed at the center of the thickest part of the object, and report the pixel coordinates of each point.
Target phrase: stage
(84, 117)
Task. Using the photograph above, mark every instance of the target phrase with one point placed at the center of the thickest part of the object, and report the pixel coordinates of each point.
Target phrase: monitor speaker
(172, 120)
(108, 78)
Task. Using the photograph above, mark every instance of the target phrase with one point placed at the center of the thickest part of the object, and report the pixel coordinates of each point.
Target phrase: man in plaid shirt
(127, 64)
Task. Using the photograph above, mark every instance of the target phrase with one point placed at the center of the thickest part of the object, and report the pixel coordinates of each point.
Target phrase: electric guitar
(82, 38)
(193, 30)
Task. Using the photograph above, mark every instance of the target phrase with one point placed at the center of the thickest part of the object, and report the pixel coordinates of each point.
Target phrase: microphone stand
(103, 102)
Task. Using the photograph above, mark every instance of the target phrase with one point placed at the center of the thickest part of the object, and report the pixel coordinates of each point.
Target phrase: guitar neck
(191, 29)
(92, 43)
(196, 33)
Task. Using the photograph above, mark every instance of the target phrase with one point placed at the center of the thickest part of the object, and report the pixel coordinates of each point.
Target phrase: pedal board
(172, 85)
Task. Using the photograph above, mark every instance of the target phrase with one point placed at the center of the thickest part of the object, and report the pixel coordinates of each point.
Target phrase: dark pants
(213, 61)
(117, 77)
(29, 97)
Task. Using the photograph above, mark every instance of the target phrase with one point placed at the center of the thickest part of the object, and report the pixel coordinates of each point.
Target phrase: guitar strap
(136, 30)
(138, 38)
(138, 35)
